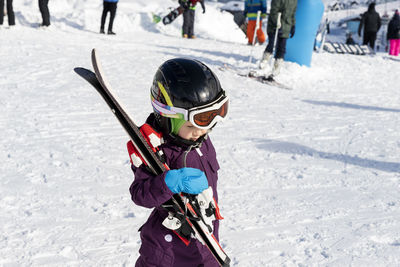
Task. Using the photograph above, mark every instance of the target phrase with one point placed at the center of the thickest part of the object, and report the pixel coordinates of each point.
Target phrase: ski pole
(278, 26)
(324, 33)
(254, 39)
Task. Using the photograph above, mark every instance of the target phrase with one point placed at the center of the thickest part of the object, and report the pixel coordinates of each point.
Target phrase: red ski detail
(217, 212)
(187, 242)
(153, 139)
(134, 156)
(217, 242)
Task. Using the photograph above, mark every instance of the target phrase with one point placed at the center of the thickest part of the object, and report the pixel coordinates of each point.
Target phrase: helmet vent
(178, 71)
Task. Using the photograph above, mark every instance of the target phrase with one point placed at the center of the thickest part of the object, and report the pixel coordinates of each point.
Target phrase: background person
(10, 12)
(44, 11)
(189, 15)
(108, 6)
(371, 22)
(393, 34)
(287, 8)
(251, 7)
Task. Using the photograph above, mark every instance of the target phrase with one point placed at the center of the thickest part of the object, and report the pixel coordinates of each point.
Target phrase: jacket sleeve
(293, 18)
(148, 190)
(361, 24)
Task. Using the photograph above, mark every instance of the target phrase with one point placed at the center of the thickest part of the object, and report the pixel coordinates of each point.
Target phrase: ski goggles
(203, 117)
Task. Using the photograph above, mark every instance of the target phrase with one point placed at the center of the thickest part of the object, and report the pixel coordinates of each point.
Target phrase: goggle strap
(168, 111)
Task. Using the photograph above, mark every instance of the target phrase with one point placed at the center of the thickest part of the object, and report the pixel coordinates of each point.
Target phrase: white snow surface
(309, 177)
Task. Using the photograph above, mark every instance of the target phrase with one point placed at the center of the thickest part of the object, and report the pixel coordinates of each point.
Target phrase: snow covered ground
(308, 177)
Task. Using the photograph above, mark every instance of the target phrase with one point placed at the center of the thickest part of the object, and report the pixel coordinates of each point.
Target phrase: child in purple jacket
(188, 101)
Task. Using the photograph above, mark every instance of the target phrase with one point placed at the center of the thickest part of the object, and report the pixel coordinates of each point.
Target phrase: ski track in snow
(308, 176)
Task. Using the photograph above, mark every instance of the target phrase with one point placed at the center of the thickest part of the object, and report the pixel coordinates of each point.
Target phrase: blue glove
(187, 180)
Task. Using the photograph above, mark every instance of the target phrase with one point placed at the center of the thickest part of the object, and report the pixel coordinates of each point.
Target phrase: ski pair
(178, 203)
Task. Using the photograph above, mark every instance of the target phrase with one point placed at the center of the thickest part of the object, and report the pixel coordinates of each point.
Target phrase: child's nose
(199, 132)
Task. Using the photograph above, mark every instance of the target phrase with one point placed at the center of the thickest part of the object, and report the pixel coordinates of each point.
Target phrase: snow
(308, 177)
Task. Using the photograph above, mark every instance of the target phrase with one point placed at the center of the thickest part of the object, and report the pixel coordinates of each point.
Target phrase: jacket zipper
(185, 155)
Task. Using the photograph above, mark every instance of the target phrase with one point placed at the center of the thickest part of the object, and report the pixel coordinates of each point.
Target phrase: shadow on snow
(347, 105)
(297, 149)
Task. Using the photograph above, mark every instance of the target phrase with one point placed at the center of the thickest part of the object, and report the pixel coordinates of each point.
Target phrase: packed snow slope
(308, 177)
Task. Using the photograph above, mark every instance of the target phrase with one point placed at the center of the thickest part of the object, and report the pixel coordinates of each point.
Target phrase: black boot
(102, 31)
(111, 32)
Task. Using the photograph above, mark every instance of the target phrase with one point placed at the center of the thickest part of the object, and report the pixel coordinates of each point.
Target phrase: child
(188, 101)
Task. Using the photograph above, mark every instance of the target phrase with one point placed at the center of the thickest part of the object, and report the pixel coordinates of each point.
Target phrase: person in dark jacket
(108, 6)
(393, 34)
(44, 11)
(371, 22)
(287, 8)
(10, 12)
(189, 15)
(188, 101)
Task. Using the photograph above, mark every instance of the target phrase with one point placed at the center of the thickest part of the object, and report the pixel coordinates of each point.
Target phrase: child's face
(190, 132)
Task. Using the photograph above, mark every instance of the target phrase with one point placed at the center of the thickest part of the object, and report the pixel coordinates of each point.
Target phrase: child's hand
(187, 180)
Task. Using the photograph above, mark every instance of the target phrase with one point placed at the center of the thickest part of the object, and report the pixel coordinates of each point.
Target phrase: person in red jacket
(188, 16)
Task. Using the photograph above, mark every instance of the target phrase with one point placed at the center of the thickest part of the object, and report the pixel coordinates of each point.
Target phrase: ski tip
(82, 71)
(93, 53)
(89, 76)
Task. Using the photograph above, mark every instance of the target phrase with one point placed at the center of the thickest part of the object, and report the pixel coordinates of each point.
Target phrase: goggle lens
(205, 118)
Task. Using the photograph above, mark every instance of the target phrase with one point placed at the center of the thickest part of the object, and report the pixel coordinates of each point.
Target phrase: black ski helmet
(184, 83)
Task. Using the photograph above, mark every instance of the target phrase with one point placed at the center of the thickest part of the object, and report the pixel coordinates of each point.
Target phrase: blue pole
(299, 49)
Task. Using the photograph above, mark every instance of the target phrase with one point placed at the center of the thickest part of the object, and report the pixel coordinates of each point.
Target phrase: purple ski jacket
(161, 246)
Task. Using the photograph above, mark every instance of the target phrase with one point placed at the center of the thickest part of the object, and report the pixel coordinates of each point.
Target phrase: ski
(266, 79)
(200, 229)
(254, 75)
